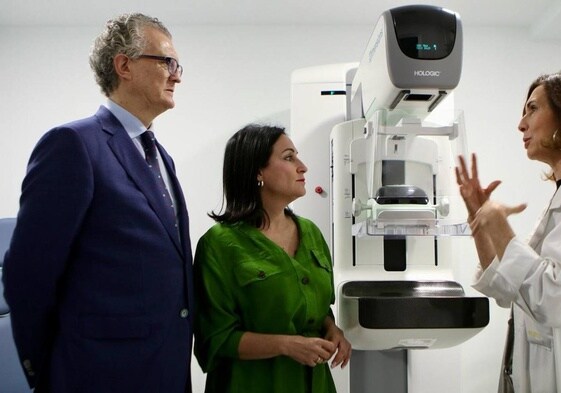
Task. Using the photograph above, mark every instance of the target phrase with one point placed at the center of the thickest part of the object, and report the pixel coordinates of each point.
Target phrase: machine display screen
(425, 33)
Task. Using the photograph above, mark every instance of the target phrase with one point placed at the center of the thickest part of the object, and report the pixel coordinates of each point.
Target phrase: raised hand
(472, 193)
(492, 216)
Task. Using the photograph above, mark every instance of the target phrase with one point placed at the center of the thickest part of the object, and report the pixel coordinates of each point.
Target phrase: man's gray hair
(122, 35)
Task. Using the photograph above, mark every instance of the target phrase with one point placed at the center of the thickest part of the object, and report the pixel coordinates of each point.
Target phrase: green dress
(245, 282)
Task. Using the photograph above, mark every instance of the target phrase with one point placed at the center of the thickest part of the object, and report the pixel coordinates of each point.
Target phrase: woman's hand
(309, 351)
(492, 217)
(471, 191)
(342, 345)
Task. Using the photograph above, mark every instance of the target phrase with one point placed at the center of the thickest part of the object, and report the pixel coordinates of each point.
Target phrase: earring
(555, 138)
(260, 183)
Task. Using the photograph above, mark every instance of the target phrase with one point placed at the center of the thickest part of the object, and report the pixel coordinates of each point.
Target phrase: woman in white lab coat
(526, 275)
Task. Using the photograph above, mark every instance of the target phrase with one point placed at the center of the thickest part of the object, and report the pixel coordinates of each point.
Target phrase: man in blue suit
(98, 273)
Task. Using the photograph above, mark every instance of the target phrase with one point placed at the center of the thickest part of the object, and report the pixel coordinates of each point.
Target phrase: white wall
(236, 75)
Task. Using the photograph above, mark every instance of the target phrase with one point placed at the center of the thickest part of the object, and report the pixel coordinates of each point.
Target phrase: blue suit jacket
(97, 276)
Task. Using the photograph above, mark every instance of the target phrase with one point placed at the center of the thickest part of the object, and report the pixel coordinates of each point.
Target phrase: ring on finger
(319, 360)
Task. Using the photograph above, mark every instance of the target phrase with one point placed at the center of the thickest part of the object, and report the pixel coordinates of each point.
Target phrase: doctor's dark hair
(552, 87)
(122, 35)
(247, 152)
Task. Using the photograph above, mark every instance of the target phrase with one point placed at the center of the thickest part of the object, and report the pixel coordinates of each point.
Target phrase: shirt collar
(131, 123)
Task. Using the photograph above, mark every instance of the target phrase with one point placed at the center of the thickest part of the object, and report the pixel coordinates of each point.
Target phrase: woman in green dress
(264, 278)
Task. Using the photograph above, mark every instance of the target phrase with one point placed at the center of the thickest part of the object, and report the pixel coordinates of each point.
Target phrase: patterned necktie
(149, 144)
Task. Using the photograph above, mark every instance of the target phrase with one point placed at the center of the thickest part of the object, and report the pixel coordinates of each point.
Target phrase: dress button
(305, 280)
(184, 312)
(261, 274)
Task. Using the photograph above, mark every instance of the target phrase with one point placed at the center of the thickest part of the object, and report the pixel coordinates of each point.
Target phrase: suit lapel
(133, 163)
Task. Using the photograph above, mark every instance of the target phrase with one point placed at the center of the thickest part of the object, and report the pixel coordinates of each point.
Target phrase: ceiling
(541, 18)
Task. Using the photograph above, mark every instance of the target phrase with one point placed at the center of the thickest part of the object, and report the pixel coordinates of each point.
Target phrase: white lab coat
(529, 276)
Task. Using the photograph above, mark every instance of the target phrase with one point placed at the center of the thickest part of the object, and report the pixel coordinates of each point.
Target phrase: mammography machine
(380, 140)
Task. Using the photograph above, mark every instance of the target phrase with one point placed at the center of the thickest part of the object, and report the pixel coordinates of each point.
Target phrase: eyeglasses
(173, 66)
